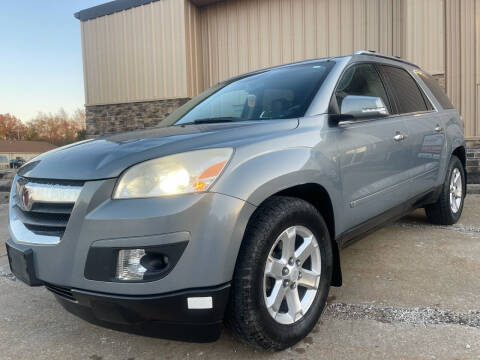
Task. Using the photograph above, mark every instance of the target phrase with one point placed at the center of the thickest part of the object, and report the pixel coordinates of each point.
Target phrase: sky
(41, 56)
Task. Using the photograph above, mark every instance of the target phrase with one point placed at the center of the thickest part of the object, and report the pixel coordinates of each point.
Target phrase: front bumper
(210, 224)
(166, 316)
(192, 315)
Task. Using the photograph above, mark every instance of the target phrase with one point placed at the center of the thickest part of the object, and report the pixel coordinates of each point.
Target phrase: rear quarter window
(436, 90)
(405, 92)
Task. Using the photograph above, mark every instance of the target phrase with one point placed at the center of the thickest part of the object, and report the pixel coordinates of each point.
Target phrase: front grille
(43, 207)
(43, 222)
(61, 291)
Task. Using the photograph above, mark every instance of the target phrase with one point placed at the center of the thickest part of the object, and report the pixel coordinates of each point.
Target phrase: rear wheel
(448, 209)
(282, 276)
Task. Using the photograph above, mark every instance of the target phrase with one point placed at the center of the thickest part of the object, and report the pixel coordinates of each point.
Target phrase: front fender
(255, 178)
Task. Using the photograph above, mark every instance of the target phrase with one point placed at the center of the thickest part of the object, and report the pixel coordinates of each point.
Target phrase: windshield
(273, 94)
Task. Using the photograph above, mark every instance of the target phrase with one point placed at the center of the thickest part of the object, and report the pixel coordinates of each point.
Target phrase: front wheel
(448, 209)
(282, 275)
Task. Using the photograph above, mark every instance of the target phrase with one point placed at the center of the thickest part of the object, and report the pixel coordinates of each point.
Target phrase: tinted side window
(436, 90)
(362, 80)
(404, 90)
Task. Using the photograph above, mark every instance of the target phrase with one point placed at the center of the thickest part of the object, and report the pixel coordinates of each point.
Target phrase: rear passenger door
(425, 139)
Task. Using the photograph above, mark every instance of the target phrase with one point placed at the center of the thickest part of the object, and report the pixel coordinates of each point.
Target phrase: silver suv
(236, 207)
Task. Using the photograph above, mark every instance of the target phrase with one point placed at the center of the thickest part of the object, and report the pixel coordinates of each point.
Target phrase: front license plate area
(21, 264)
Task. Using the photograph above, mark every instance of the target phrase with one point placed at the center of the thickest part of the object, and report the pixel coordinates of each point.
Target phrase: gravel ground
(411, 316)
(410, 292)
(3, 197)
(6, 177)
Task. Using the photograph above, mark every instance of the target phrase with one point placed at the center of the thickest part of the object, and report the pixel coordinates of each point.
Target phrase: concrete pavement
(410, 291)
(3, 233)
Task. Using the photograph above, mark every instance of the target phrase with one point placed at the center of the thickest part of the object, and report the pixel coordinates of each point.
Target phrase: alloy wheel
(456, 191)
(292, 275)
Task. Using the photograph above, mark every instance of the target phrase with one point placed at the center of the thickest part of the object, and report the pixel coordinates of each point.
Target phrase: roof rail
(395, 58)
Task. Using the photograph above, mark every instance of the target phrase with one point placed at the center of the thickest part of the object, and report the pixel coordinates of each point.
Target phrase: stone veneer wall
(114, 118)
(473, 161)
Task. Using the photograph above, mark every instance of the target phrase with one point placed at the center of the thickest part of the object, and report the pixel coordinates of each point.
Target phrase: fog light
(129, 265)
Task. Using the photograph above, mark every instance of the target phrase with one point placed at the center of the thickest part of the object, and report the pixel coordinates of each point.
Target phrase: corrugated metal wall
(424, 32)
(243, 35)
(136, 55)
(463, 61)
(193, 38)
(172, 49)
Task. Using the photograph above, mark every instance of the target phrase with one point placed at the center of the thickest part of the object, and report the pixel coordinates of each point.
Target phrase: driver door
(373, 165)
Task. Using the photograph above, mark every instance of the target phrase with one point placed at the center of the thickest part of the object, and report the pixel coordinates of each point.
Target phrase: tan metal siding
(138, 54)
(243, 35)
(424, 34)
(476, 118)
(463, 60)
(172, 49)
(193, 46)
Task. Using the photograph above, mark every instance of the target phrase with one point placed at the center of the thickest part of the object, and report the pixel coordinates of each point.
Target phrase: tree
(11, 128)
(58, 129)
(81, 134)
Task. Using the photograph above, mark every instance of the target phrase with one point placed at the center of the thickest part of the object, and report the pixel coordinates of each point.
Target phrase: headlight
(183, 173)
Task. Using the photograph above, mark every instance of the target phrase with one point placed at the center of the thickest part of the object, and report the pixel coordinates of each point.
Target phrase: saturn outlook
(233, 210)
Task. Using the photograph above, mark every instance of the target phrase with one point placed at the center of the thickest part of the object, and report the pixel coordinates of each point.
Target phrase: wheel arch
(318, 196)
(461, 153)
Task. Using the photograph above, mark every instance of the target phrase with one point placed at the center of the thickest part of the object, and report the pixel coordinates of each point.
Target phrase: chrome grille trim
(48, 193)
(24, 235)
(41, 219)
(39, 210)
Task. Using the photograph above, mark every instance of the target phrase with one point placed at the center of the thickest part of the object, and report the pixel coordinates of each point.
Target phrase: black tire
(441, 212)
(247, 314)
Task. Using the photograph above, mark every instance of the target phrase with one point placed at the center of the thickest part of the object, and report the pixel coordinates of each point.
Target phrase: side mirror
(363, 107)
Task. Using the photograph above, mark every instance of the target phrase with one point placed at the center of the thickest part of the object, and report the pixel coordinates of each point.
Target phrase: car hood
(107, 156)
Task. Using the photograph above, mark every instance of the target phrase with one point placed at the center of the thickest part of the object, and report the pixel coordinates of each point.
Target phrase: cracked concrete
(410, 292)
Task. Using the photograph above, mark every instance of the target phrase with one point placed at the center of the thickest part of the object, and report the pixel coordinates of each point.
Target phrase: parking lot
(411, 290)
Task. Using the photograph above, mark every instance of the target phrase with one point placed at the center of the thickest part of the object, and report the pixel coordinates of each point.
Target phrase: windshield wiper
(212, 120)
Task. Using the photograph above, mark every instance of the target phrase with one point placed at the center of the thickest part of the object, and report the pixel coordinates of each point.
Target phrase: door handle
(438, 129)
(399, 137)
